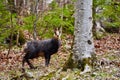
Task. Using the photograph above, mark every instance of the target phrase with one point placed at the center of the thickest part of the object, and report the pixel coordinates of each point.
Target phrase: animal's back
(49, 46)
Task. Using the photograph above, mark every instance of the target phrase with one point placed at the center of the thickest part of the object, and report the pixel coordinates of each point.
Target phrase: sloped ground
(107, 68)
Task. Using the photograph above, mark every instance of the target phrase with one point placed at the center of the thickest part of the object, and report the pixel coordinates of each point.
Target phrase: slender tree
(11, 33)
(35, 21)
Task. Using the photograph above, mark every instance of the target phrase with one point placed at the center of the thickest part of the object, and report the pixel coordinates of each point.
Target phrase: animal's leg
(47, 60)
(30, 65)
(23, 62)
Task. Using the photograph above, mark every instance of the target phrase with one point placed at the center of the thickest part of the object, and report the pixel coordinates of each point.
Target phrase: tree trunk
(35, 21)
(11, 33)
(83, 46)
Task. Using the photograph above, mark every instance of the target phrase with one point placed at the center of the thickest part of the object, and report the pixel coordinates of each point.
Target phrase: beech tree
(83, 47)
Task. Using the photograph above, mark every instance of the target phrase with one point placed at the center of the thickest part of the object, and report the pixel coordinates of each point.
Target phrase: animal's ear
(58, 32)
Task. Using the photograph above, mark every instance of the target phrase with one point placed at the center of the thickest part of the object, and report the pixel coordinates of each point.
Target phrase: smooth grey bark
(83, 48)
(35, 21)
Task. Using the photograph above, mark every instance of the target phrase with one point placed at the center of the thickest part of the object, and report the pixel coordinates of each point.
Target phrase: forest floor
(107, 68)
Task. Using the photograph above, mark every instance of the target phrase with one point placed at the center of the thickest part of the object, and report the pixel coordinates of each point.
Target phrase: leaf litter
(107, 68)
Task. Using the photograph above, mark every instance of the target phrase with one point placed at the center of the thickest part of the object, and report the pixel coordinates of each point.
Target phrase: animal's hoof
(22, 70)
(33, 68)
(46, 66)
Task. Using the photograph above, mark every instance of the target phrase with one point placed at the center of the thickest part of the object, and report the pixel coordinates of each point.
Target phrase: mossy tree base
(80, 64)
(69, 64)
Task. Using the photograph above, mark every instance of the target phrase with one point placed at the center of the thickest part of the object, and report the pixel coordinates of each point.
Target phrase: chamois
(43, 48)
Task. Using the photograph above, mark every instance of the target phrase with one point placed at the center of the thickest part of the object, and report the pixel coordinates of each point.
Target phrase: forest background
(25, 20)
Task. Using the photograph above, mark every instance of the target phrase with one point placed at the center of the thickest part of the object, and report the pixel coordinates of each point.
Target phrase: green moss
(80, 64)
(83, 62)
(99, 35)
(22, 39)
(70, 63)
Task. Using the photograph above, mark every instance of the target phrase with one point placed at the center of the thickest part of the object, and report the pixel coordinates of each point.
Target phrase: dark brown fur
(44, 48)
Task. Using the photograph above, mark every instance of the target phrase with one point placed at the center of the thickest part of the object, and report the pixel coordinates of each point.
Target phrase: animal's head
(58, 33)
